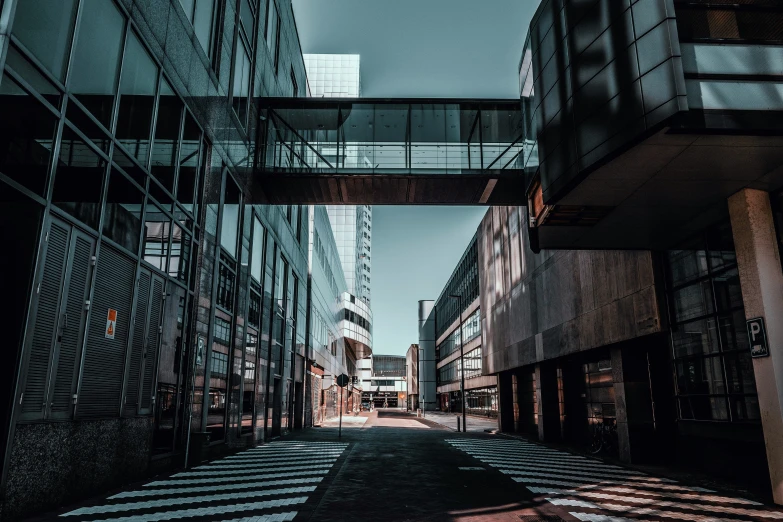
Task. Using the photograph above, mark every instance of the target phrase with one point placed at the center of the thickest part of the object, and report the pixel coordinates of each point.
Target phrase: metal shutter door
(65, 365)
(137, 344)
(152, 347)
(104, 359)
(45, 321)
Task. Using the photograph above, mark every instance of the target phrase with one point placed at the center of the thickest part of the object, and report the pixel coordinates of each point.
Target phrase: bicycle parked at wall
(604, 437)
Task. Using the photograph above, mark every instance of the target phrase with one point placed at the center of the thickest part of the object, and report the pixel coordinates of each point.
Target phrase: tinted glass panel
(33, 76)
(157, 228)
(164, 151)
(45, 28)
(78, 180)
(203, 22)
(257, 257)
(97, 57)
(180, 253)
(228, 235)
(137, 97)
(25, 137)
(122, 221)
(241, 83)
(189, 164)
(88, 126)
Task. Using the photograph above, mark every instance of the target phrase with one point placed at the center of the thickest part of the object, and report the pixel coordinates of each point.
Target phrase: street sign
(342, 380)
(111, 323)
(757, 335)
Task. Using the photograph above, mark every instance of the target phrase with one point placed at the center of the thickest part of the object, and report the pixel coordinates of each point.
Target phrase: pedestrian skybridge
(407, 151)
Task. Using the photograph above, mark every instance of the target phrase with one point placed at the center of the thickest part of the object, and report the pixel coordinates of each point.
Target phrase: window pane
(700, 376)
(696, 337)
(739, 372)
(686, 265)
(79, 179)
(179, 261)
(122, 222)
(88, 127)
(247, 16)
(33, 76)
(733, 332)
(258, 250)
(164, 151)
(720, 243)
(137, 97)
(97, 57)
(693, 301)
(203, 21)
(728, 293)
(745, 408)
(129, 166)
(228, 234)
(190, 155)
(45, 28)
(241, 83)
(157, 228)
(25, 137)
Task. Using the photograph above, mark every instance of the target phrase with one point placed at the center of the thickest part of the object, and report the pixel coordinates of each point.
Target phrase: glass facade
(713, 370)
(333, 75)
(464, 281)
(471, 328)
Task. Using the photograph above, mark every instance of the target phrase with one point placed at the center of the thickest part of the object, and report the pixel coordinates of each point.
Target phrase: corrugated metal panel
(73, 332)
(45, 322)
(104, 359)
(137, 344)
(152, 347)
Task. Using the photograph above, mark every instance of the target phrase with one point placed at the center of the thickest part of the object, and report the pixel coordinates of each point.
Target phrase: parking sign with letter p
(757, 335)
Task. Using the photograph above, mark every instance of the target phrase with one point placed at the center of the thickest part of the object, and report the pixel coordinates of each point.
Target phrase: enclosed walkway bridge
(392, 151)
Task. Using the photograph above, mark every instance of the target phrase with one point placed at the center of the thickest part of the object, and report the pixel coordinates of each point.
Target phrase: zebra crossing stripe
(277, 517)
(574, 476)
(279, 456)
(215, 480)
(595, 517)
(559, 464)
(206, 511)
(210, 489)
(676, 515)
(207, 473)
(149, 504)
(259, 464)
(596, 484)
(634, 491)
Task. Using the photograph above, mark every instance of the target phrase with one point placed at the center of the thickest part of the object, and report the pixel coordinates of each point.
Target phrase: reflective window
(26, 137)
(79, 179)
(179, 261)
(88, 127)
(201, 14)
(167, 127)
(241, 90)
(257, 256)
(137, 98)
(45, 27)
(273, 32)
(712, 364)
(218, 382)
(122, 220)
(33, 76)
(157, 229)
(96, 58)
(230, 225)
(189, 161)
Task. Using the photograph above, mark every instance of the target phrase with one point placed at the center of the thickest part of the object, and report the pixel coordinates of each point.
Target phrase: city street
(395, 466)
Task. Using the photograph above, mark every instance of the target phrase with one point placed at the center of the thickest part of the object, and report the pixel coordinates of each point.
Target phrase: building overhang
(666, 186)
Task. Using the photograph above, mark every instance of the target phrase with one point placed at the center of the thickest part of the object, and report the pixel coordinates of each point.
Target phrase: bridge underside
(394, 152)
(385, 189)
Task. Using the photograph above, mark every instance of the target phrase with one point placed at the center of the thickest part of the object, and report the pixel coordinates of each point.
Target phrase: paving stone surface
(395, 466)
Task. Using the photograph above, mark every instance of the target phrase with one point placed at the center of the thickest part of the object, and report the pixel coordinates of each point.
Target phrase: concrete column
(505, 402)
(761, 280)
(428, 400)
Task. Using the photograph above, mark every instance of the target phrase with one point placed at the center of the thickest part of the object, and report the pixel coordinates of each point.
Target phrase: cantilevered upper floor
(403, 151)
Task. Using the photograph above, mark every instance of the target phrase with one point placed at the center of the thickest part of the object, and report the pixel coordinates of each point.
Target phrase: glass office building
(156, 309)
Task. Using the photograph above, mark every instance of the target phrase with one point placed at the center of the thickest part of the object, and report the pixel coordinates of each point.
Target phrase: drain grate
(541, 518)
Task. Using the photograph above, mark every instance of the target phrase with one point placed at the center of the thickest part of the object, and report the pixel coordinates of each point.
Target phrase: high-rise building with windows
(338, 76)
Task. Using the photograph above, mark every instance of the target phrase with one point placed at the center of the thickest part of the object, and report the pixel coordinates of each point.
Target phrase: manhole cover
(474, 468)
(541, 518)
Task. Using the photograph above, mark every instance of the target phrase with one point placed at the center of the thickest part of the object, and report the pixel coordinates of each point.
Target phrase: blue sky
(419, 48)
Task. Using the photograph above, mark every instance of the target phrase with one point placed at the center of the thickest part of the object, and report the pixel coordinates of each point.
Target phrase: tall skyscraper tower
(338, 76)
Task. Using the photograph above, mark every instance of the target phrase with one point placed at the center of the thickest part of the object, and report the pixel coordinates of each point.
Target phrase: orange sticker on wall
(111, 323)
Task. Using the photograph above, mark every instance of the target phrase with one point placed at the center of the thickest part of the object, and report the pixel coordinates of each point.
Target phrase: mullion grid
(722, 353)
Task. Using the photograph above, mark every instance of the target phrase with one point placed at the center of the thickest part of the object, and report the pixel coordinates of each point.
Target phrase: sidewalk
(449, 420)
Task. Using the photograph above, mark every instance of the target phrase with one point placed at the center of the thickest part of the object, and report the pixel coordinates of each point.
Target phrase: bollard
(458, 424)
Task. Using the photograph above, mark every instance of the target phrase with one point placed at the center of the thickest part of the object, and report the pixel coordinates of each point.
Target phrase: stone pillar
(761, 279)
(428, 400)
(505, 402)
